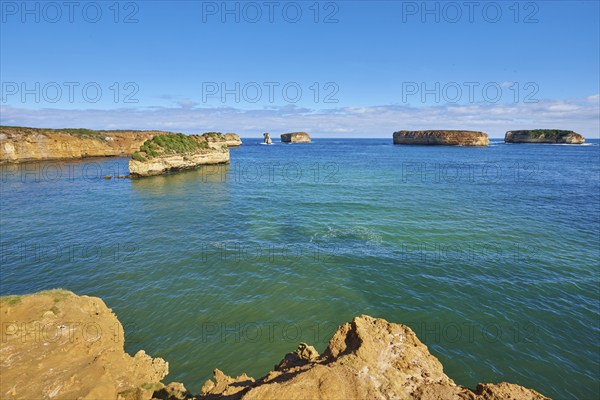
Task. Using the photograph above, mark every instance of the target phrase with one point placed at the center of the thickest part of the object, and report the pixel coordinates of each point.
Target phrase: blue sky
(337, 69)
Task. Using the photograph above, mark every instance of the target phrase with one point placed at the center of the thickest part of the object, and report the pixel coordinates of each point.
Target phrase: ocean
(491, 255)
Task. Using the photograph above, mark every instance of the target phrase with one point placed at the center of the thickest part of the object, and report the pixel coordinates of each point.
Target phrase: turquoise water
(490, 254)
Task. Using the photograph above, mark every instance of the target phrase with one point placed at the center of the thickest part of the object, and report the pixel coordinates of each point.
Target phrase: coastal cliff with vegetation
(554, 136)
(56, 344)
(295, 137)
(19, 144)
(176, 152)
(445, 138)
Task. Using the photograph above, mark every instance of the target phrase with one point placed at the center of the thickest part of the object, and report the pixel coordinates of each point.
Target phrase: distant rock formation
(233, 140)
(56, 344)
(176, 152)
(445, 138)
(295, 137)
(543, 136)
(19, 144)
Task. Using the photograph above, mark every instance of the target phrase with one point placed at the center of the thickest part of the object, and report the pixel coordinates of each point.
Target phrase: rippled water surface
(490, 254)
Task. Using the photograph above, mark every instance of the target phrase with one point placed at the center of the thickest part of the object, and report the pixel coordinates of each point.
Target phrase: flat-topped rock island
(295, 137)
(442, 138)
(177, 152)
(552, 136)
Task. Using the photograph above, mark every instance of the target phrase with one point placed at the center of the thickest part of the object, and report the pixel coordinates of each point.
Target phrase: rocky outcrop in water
(295, 137)
(59, 345)
(177, 152)
(18, 144)
(544, 136)
(445, 138)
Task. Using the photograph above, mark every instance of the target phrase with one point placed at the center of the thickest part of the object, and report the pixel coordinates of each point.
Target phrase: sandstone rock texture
(368, 358)
(56, 345)
(19, 144)
(446, 138)
(233, 140)
(295, 137)
(544, 136)
(209, 148)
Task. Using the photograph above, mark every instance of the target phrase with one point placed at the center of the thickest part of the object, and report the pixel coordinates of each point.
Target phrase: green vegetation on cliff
(549, 133)
(174, 143)
(81, 132)
(78, 132)
(544, 136)
(213, 135)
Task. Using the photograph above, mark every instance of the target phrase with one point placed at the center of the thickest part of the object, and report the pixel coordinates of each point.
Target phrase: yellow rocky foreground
(57, 345)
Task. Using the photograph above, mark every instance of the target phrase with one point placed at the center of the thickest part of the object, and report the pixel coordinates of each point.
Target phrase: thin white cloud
(593, 99)
(563, 107)
(187, 103)
(581, 115)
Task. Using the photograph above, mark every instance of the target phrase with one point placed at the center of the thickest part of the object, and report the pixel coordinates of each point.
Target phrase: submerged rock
(446, 138)
(543, 136)
(295, 137)
(176, 152)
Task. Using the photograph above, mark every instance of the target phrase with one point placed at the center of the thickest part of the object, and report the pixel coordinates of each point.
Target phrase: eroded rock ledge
(446, 138)
(56, 344)
(544, 136)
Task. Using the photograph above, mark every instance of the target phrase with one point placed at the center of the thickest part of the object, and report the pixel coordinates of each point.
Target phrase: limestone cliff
(57, 345)
(543, 136)
(295, 137)
(447, 138)
(19, 144)
(233, 140)
(176, 152)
